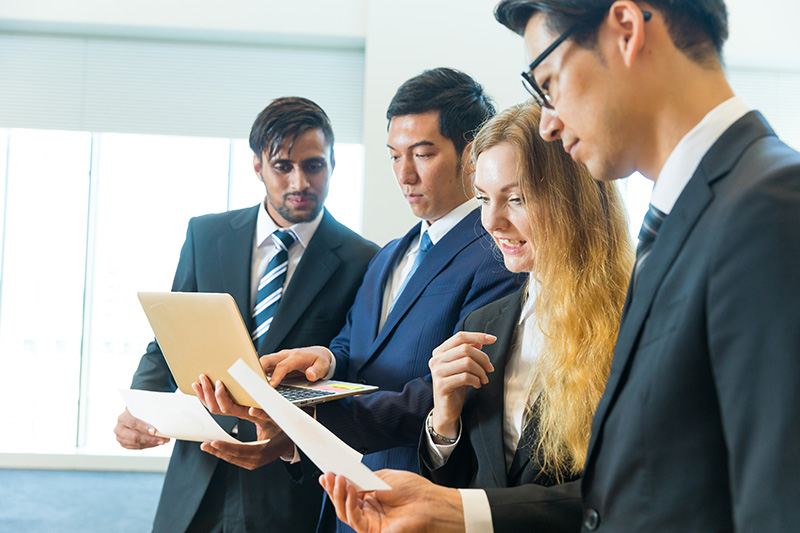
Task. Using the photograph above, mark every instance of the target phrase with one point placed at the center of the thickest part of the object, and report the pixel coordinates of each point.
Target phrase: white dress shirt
(519, 393)
(264, 248)
(690, 150)
(436, 231)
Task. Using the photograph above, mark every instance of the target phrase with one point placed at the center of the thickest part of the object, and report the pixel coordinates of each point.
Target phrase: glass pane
(41, 311)
(4, 133)
(147, 188)
(344, 195)
(245, 190)
(636, 191)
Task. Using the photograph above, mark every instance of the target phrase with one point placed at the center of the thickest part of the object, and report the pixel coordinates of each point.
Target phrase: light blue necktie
(650, 226)
(425, 245)
(270, 288)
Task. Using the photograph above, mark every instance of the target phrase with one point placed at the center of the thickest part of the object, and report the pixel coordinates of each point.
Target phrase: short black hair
(461, 101)
(285, 119)
(696, 26)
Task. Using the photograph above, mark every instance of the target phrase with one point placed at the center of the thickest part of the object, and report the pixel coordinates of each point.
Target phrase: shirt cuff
(291, 459)
(440, 453)
(477, 513)
(332, 369)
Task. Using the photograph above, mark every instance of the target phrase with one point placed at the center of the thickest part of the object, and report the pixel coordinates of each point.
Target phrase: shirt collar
(439, 228)
(682, 163)
(265, 227)
(530, 299)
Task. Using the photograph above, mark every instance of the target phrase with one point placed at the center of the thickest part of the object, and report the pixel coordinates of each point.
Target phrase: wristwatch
(435, 436)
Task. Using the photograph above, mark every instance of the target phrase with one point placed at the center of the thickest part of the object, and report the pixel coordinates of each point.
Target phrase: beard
(295, 215)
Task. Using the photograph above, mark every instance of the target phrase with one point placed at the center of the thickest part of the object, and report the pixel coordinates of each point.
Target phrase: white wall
(400, 39)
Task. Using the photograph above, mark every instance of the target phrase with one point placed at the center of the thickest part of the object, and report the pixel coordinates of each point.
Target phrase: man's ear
(626, 22)
(467, 166)
(257, 166)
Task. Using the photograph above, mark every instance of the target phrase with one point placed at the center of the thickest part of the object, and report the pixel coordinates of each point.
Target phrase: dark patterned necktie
(270, 288)
(652, 222)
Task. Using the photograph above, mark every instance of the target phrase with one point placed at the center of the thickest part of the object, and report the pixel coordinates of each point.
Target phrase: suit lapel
(438, 258)
(235, 255)
(385, 273)
(691, 204)
(315, 269)
(522, 457)
(489, 399)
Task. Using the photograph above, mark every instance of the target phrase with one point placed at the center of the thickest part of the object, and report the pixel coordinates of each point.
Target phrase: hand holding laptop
(218, 401)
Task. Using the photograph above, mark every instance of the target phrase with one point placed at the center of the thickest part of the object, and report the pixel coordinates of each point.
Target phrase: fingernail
(312, 373)
(219, 384)
(151, 431)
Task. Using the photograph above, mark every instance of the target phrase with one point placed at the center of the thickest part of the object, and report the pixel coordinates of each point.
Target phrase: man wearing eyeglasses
(698, 427)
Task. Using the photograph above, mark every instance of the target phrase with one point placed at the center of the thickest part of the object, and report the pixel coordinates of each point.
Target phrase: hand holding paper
(176, 415)
(327, 451)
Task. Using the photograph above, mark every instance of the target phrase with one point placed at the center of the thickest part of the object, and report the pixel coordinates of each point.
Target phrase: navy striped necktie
(270, 288)
(650, 226)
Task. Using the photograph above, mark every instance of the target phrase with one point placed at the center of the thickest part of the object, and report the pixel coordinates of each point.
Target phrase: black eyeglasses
(529, 82)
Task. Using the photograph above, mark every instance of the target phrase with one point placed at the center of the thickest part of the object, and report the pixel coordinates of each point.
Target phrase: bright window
(89, 220)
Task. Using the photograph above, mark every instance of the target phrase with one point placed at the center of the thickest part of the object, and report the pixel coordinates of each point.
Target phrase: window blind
(170, 87)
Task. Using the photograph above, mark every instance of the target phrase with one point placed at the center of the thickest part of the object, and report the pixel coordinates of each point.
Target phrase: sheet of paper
(327, 451)
(176, 415)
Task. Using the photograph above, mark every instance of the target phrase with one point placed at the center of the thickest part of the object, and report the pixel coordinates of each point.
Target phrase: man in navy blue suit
(419, 287)
(292, 142)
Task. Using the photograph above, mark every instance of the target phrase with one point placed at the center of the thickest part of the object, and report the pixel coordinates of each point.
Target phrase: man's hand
(414, 504)
(314, 362)
(251, 456)
(218, 400)
(135, 434)
(456, 364)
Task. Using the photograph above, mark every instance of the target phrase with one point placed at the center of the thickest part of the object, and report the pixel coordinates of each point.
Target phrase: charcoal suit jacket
(217, 257)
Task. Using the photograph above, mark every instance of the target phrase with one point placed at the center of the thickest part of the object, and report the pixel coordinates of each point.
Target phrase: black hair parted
(461, 101)
(284, 119)
(699, 28)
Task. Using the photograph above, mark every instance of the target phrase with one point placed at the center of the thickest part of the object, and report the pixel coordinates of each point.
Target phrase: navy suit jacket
(461, 273)
(699, 425)
(517, 495)
(217, 257)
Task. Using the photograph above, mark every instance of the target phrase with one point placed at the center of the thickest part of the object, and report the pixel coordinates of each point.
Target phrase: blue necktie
(270, 288)
(425, 245)
(650, 226)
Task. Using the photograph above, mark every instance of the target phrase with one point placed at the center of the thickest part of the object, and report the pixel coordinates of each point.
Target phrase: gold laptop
(203, 333)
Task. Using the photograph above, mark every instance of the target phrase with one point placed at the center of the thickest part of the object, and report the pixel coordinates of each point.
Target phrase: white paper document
(176, 415)
(327, 451)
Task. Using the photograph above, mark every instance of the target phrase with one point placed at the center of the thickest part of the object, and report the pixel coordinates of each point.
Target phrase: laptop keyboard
(300, 393)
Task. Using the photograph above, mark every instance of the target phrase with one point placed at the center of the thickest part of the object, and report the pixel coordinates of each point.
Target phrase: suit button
(591, 520)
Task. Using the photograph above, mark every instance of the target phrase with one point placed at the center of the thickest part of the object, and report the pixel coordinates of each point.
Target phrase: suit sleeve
(536, 508)
(153, 372)
(754, 338)
(386, 419)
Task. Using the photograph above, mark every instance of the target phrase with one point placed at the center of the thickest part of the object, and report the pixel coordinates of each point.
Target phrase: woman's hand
(456, 364)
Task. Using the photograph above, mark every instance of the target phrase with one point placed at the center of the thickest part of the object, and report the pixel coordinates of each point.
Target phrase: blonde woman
(516, 389)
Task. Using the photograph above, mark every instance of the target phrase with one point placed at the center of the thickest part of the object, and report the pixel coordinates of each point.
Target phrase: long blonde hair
(583, 260)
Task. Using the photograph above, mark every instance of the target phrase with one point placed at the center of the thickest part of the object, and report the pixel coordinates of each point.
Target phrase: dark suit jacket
(461, 273)
(517, 496)
(699, 426)
(216, 257)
